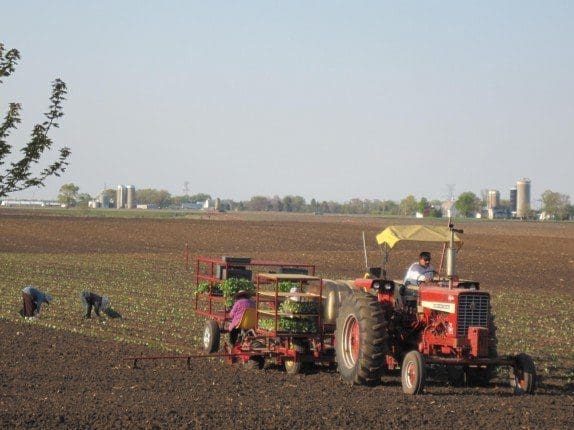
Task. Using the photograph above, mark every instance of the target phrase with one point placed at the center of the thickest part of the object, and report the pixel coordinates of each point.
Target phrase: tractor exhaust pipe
(451, 254)
(450, 262)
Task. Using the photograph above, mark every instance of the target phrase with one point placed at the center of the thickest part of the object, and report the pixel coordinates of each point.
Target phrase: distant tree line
(70, 196)
(556, 205)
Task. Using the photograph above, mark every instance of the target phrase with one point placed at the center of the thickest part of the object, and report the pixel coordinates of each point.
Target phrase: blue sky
(328, 100)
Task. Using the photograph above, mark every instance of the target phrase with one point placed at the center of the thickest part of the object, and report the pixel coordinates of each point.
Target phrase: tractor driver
(419, 271)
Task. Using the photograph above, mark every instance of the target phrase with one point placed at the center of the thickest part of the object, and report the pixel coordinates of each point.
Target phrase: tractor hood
(419, 233)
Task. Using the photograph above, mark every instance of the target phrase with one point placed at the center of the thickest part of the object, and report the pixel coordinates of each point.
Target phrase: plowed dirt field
(64, 372)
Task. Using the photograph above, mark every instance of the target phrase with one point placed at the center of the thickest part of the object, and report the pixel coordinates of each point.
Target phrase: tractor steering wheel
(423, 278)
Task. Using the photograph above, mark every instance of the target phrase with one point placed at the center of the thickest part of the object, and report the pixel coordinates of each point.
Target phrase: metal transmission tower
(450, 192)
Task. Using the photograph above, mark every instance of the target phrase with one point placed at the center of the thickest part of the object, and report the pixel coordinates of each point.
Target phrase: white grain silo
(217, 204)
(131, 199)
(522, 198)
(493, 200)
(121, 197)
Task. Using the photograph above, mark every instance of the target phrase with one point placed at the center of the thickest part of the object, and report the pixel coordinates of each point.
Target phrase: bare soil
(53, 378)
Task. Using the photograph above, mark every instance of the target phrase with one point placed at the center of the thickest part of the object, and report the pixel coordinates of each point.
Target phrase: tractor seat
(248, 319)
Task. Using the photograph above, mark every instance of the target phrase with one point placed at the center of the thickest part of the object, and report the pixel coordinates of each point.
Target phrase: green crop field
(153, 291)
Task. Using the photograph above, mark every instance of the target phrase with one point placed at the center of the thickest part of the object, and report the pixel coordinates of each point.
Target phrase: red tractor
(383, 325)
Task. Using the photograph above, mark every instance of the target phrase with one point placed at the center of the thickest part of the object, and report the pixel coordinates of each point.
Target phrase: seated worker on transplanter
(32, 299)
(90, 300)
(242, 303)
(420, 271)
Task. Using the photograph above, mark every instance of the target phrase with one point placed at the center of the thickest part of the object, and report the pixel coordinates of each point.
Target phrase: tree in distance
(199, 197)
(422, 205)
(408, 205)
(83, 200)
(68, 195)
(468, 203)
(258, 204)
(109, 195)
(151, 196)
(18, 175)
(555, 204)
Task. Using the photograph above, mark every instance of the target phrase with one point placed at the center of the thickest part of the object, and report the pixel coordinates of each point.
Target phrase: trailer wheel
(292, 367)
(361, 339)
(254, 362)
(413, 373)
(211, 336)
(523, 375)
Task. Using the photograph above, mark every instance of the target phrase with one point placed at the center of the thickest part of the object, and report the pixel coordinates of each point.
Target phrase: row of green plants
(227, 288)
(293, 307)
(293, 324)
(290, 325)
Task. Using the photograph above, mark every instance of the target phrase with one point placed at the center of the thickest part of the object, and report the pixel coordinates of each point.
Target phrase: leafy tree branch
(19, 175)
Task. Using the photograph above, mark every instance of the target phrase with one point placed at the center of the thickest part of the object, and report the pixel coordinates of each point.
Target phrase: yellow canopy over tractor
(419, 233)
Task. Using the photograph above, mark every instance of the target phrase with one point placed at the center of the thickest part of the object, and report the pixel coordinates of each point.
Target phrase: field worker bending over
(419, 271)
(242, 302)
(90, 300)
(33, 299)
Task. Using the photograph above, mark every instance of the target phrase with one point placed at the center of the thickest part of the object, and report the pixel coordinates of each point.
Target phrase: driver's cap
(425, 255)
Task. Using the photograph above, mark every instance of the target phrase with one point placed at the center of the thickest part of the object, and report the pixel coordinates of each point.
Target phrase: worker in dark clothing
(32, 299)
(92, 300)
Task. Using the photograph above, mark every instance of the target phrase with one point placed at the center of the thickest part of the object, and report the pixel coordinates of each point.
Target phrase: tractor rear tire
(211, 336)
(413, 373)
(523, 375)
(361, 339)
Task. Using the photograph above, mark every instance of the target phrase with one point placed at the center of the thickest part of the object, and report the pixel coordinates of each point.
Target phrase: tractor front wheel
(523, 375)
(211, 336)
(361, 339)
(413, 373)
